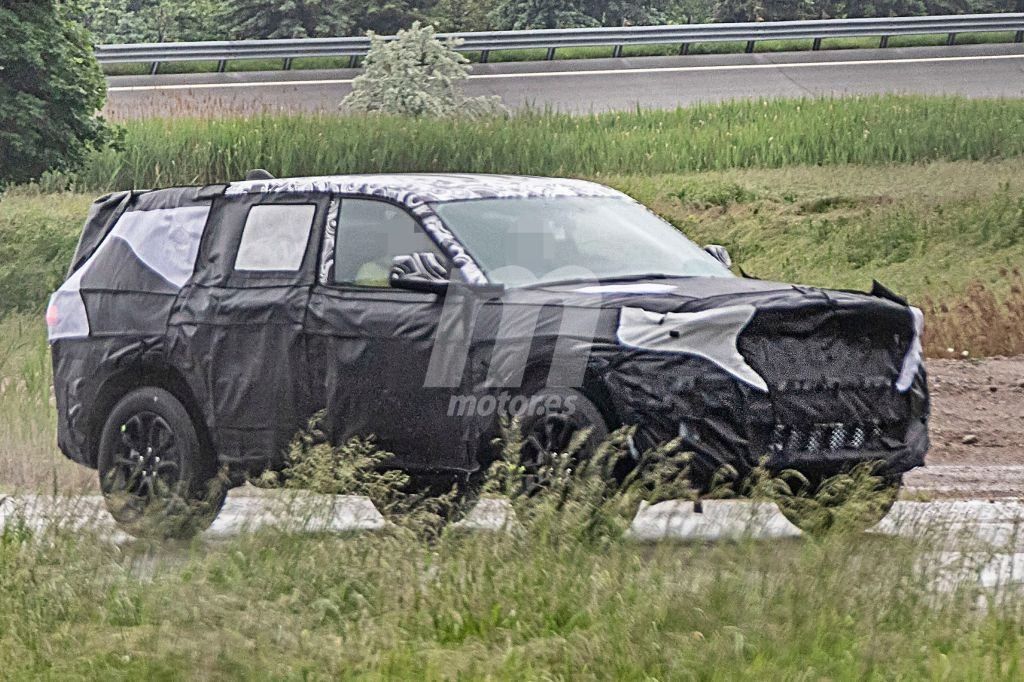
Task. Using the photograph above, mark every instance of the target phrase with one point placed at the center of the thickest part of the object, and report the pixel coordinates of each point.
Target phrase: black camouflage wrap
(797, 376)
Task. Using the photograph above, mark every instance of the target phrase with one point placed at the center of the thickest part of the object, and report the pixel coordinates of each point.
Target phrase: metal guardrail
(618, 37)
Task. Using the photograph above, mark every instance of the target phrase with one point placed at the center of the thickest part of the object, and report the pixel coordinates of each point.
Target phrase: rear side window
(275, 237)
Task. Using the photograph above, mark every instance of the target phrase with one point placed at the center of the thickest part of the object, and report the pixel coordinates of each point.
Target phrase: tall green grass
(534, 603)
(38, 235)
(865, 130)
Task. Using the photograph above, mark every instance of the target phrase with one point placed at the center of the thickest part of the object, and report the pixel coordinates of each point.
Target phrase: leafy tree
(884, 8)
(627, 13)
(416, 75)
(462, 15)
(319, 18)
(738, 10)
(50, 91)
(972, 6)
(690, 11)
(289, 19)
(764, 10)
(532, 14)
(387, 17)
(151, 21)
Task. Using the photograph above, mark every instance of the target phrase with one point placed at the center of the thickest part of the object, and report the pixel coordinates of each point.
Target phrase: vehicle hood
(695, 294)
(750, 328)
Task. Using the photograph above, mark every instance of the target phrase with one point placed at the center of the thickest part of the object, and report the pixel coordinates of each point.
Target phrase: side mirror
(719, 253)
(419, 272)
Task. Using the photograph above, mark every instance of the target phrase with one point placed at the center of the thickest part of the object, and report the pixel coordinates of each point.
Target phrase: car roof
(411, 189)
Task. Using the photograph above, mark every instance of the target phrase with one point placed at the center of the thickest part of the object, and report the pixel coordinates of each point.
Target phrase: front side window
(275, 237)
(370, 235)
(526, 241)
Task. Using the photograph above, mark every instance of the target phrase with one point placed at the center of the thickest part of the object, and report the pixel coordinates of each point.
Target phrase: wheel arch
(149, 374)
(593, 389)
(535, 381)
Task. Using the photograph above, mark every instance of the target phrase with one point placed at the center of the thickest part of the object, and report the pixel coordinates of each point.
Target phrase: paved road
(612, 84)
(975, 541)
(996, 524)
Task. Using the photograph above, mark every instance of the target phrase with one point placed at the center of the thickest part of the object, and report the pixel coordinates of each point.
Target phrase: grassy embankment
(923, 194)
(561, 594)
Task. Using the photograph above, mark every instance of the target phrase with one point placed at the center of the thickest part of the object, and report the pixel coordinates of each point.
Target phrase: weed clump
(980, 323)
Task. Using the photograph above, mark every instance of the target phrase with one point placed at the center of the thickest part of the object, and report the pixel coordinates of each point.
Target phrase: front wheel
(855, 501)
(561, 417)
(156, 478)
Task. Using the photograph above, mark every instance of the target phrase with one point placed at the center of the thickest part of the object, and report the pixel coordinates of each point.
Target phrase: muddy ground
(977, 428)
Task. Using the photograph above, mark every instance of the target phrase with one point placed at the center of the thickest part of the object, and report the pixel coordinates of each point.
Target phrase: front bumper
(729, 425)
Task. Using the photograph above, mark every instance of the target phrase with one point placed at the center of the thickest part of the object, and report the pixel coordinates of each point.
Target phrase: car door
(370, 345)
(238, 325)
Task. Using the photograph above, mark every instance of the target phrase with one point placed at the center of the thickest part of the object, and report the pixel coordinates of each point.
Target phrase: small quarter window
(275, 237)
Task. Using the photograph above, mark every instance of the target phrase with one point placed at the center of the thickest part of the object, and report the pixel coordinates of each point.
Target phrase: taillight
(52, 316)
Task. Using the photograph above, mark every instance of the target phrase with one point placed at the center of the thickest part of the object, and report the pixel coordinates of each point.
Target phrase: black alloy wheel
(156, 478)
(551, 433)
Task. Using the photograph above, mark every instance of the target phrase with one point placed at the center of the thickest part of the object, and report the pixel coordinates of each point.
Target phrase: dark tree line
(165, 20)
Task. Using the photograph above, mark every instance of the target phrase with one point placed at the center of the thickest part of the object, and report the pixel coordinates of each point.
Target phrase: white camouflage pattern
(418, 192)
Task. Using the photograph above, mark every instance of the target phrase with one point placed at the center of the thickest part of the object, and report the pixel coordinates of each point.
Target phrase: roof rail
(259, 174)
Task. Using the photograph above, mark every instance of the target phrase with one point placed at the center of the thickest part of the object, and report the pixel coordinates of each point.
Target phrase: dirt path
(977, 429)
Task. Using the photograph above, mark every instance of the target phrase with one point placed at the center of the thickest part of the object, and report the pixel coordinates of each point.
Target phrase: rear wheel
(156, 478)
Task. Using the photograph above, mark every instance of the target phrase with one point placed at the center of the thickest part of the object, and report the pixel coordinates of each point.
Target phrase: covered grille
(822, 438)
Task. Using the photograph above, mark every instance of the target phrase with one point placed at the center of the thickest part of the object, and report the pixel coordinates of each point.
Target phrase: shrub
(416, 75)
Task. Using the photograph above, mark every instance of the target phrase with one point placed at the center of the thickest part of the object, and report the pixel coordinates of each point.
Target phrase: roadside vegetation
(50, 91)
(29, 459)
(561, 592)
(416, 75)
(745, 134)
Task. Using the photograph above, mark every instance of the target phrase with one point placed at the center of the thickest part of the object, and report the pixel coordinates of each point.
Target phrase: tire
(156, 478)
(553, 430)
(847, 502)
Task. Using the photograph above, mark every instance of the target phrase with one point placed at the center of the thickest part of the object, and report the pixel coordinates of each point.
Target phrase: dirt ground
(977, 411)
(977, 429)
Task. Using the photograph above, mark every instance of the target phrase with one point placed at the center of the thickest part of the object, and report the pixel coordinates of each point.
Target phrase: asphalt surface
(611, 84)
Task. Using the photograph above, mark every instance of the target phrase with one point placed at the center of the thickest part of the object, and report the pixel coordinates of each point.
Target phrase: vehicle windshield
(520, 242)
